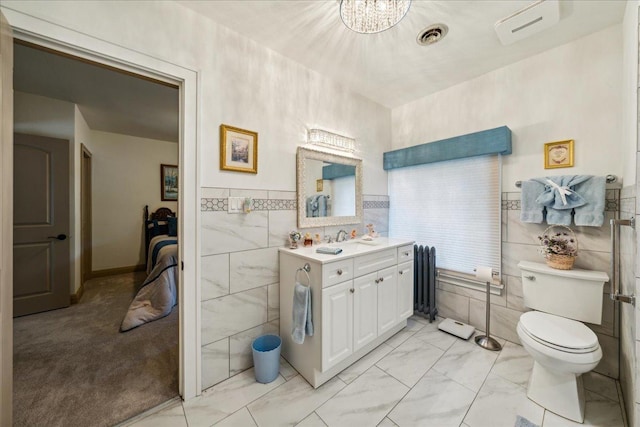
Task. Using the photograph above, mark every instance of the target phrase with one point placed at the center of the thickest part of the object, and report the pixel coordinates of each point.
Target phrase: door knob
(58, 237)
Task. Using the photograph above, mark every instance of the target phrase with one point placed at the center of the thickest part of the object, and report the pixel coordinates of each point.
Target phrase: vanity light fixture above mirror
(332, 140)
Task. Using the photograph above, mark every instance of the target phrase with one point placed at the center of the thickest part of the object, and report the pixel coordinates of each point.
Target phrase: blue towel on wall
(531, 210)
(581, 197)
(559, 191)
(322, 205)
(302, 314)
(312, 206)
(559, 197)
(594, 193)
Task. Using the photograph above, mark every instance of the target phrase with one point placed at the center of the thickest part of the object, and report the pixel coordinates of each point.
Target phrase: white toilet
(563, 349)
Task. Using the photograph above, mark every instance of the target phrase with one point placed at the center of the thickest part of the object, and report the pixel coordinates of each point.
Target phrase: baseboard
(119, 270)
(75, 298)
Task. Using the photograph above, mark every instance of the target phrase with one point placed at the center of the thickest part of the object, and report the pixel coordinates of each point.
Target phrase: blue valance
(337, 170)
(492, 141)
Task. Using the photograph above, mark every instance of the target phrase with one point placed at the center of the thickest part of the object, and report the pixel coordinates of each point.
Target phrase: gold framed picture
(558, 154)
(238, 149)
(319, 185)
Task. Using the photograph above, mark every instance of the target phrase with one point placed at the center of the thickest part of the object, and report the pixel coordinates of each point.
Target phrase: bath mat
(523, 422)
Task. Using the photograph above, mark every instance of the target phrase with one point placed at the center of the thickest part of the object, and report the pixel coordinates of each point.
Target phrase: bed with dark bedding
(158, 294)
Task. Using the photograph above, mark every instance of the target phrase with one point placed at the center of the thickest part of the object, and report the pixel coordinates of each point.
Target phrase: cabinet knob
(406, 254)
(377, 280)
(382, 279)
(351, 290)
(340, 272)
(530, 277)
(401, 272)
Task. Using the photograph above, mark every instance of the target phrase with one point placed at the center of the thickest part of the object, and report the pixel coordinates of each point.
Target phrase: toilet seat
(559, 333)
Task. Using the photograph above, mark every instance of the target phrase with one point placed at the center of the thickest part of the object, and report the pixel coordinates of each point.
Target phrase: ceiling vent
(432, 34)
(532, 19)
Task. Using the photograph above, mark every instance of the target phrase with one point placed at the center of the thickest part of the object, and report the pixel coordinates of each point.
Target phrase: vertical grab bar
(614, 289)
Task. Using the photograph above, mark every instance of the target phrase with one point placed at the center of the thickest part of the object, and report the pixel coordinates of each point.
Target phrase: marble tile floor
(420, 376)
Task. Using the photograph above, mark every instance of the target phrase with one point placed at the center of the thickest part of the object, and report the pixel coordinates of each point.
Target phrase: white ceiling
(390, 67)
(110, 101)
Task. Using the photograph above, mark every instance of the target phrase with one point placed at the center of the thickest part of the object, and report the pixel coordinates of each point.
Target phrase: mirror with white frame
(329, 189)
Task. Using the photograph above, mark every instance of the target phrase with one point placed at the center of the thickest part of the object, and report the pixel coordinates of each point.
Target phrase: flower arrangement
(560, 248)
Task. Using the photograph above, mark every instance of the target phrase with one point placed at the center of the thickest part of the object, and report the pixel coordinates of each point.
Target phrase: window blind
(453, 206)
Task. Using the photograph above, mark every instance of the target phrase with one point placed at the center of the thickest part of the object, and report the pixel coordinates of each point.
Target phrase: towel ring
(306, 270)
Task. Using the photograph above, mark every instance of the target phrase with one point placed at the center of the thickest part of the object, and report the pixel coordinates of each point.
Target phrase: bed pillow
(173, 225)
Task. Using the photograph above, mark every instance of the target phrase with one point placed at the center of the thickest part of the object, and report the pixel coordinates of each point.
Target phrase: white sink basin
(363, 242)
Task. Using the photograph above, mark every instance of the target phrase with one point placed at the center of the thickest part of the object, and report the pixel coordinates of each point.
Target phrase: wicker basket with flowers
(560, 248)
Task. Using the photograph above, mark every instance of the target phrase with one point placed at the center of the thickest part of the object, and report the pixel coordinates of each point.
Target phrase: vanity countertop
(350, 248)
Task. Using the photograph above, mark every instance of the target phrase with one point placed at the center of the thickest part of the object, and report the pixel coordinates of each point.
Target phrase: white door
(405, 290)
(387, 299)
(6, 221)
(337, 323)
(365, 310)
(41, 249)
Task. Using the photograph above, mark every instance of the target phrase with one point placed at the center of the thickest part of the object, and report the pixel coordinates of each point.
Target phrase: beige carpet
(73, 368)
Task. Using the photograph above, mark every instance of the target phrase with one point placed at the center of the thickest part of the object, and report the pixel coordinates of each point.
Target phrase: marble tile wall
(519, 242)
(240, 271)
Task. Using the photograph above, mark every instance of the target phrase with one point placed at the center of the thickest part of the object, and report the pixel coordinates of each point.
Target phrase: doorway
(61, 335)
(85, 219)
(66, 40)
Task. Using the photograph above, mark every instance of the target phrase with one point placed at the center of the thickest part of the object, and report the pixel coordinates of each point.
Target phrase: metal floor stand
(485, 341)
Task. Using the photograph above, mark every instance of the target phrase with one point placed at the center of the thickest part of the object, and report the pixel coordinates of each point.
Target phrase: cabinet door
(387, 299)
(365, 310)
(405, 290)
(337, 323)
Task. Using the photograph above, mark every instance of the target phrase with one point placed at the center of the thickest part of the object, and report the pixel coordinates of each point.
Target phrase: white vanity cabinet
(360, 298)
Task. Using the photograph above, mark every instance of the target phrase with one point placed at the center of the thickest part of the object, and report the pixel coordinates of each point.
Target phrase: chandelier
(372, 16)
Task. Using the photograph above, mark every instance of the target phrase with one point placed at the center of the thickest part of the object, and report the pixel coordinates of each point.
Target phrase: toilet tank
(575, 294)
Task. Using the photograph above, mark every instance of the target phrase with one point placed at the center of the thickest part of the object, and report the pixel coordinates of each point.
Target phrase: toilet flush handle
(532, 278)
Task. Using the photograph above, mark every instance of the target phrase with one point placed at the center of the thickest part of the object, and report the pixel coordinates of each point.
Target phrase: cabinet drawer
(369, 263)
(336, 272)
(405, 253)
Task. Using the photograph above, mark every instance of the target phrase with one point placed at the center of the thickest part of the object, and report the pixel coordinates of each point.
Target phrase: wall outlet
(235, 205)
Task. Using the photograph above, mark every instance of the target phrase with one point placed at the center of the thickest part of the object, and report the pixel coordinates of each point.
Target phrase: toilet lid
(559, 332)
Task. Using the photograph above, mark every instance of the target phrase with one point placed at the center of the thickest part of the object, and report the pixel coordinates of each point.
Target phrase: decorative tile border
(274, 205)
(208, 205)
(511, 205)
(371, 204)
(222, 205)
(611, 205)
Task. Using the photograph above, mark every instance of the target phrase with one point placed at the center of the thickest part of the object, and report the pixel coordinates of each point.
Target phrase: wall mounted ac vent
(532, 19)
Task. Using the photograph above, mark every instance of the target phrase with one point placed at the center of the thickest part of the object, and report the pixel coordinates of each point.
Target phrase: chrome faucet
(343, 234)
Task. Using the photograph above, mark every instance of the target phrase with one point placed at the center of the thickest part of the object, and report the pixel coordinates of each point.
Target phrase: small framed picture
(238, 149)
(319, 185)
(169, 182)
(558, 154)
